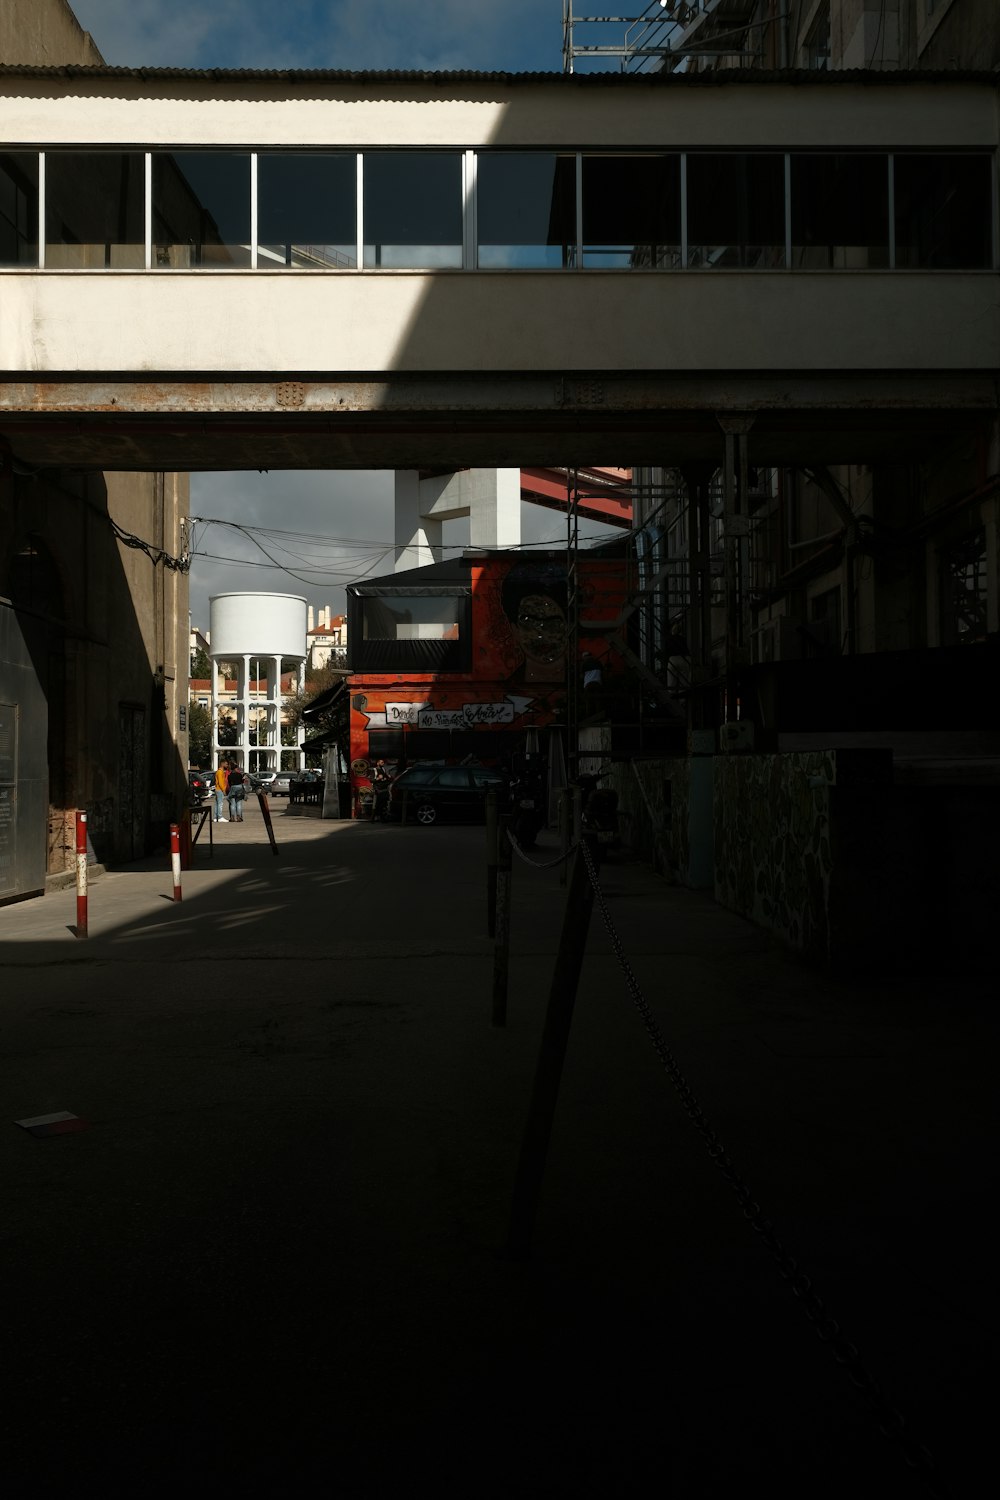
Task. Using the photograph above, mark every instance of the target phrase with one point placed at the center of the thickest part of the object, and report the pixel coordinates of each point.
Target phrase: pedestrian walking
(381, 782)
(236, 792)
(220, 790)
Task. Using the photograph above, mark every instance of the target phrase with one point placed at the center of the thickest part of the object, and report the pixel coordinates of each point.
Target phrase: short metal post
(577, 824)
(501, 947)
(81, 874)
(555, 1037)
(262, 799)
(175, 858)
(491, 863)
(564, 812)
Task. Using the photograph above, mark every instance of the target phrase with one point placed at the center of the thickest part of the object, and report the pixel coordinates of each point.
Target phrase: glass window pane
(736, 210)
(526, 209)
(201, 209)
(19, 208)
(413, 209)
(840, 211)
(95, 208)
(419, 617)
(307, 210)
(943, 212)
(632, 210)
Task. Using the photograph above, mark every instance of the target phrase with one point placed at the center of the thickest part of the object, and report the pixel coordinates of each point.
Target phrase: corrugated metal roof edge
(716, 78)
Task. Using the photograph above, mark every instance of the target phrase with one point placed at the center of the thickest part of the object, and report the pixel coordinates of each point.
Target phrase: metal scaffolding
(663, 35)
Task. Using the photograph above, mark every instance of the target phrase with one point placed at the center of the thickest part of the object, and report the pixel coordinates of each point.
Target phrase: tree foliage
(199, 735)
(201, 665)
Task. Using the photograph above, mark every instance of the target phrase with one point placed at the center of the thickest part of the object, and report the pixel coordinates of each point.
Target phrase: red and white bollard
(175, 858)
(81, 874)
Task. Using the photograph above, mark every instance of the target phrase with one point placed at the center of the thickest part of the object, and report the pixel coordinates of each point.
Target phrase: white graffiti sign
(425, 716)
(404, 713)
(441, 718)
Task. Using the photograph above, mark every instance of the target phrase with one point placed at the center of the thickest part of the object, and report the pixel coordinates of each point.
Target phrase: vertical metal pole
(491, 863)
(564, 812)
(175, 858)
(254, 237)
(359, 226)
(555, 1038)
(743, 580)
(729, 543)
(684, 211)
(81, 874)
(262, 799)
(42, 213)
(147, 232)
(501, 948)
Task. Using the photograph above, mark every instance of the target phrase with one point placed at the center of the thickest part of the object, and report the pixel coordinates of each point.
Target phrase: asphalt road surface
(275, 1259)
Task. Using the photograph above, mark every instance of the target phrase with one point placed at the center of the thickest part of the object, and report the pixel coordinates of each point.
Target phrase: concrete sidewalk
(275, 1259)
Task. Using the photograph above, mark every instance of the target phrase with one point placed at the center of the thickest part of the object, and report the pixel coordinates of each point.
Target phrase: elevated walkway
(500, 268)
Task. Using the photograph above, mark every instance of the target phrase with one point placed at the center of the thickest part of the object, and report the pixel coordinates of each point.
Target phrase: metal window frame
(41, 210)
(470, 215)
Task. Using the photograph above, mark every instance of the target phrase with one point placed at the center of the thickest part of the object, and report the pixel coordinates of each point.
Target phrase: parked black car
(454, 794)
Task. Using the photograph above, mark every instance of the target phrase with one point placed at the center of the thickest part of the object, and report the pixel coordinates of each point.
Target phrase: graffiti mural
(517, 613)
(773, 855)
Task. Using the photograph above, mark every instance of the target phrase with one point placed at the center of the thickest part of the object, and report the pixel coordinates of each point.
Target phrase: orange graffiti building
(463, 658)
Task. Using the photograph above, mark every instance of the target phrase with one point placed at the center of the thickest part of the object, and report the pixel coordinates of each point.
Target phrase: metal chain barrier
(539, 864)
(890, 1422)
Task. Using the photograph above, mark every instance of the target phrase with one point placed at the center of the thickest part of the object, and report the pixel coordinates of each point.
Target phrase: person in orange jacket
(221, 790)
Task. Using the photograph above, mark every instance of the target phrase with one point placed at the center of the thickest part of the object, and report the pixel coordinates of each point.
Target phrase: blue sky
(504, 35)
(487, 35)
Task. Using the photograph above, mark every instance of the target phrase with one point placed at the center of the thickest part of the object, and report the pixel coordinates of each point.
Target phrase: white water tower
(262, 636)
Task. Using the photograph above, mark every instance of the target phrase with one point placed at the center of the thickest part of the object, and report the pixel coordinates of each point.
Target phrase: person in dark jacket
(236, 792)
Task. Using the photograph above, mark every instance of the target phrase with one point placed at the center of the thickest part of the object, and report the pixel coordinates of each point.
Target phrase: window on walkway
(413, 209)
(19, 208)
(840, 212)
(526, 209)
(201, 209)
(736, 210)
(631, 210)
(307, 210)
(95, 209)
(943, 212)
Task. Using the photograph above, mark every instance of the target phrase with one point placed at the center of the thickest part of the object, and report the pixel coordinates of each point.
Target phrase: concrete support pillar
(243, 736)
(491, 498)
(494, 500)
(737, 543)
(274, 707)
(417, 539)
(698, 479)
